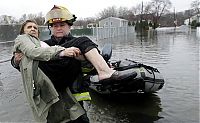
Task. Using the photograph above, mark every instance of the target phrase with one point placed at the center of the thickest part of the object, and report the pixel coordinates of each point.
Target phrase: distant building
(92, 25)
(189, 20)
(113, 22)
(76, 27)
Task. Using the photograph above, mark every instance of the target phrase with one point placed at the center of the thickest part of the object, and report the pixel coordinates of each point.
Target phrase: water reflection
(152, 50)
(176, 55)
(125, 108)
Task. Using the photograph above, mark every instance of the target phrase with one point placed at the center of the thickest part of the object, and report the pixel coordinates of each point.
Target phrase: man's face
(60, 29)
(31, 28)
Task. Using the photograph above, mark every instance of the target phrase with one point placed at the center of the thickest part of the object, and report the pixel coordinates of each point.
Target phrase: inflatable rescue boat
(148, 79)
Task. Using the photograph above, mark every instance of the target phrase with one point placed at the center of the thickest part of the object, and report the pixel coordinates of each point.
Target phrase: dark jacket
(71, 67)
(62, 72)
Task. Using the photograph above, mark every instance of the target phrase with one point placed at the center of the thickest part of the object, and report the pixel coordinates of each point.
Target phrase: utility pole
(175, 19)
(189, 24)
(141, 18)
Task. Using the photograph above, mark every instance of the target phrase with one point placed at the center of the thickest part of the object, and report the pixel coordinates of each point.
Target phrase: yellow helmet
(59, 14)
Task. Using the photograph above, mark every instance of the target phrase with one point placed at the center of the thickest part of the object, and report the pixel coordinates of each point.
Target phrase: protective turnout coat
(39, 90)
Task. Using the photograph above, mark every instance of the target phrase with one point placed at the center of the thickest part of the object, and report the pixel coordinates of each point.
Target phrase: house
(195, 17)
(92, 25)
(113, 22)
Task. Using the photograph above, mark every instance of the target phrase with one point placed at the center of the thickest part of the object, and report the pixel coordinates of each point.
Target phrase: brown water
(176, 55)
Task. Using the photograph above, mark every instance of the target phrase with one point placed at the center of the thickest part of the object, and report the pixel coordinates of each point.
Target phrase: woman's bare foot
(106, 75)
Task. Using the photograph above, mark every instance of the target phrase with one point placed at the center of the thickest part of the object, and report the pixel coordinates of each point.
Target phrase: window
(106, 23)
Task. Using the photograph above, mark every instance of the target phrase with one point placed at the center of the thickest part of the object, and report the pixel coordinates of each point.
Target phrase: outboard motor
(107, 52)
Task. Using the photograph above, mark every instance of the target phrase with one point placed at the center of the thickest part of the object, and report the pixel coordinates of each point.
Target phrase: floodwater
(175, 54)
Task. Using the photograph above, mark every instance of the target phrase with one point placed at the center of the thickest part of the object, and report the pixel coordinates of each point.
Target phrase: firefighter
(64, 72)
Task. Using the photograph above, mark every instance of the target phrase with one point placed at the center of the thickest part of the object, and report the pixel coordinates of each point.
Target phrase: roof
(115, 18)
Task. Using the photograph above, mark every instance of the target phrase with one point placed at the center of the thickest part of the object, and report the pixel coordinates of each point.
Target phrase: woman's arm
(30, 47)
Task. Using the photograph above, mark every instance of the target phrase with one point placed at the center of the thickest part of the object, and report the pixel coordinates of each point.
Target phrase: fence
(110, 32)
(198, 32)
(10, 32)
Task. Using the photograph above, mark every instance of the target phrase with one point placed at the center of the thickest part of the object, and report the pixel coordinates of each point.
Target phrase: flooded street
(175, 54)
(13, 105)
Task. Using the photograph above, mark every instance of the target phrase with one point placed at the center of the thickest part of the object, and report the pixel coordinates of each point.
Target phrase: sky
(81, 8)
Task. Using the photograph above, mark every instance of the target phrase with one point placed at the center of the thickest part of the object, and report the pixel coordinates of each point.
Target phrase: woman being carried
(39, 90)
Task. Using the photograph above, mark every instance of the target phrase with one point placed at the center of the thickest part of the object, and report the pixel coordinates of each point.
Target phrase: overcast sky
(81, 8)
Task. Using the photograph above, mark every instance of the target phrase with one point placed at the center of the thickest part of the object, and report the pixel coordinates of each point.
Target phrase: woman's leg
(104, 71)
(90, 51)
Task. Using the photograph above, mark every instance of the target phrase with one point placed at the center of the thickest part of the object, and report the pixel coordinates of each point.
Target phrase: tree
(37, 17)
(84, 22)
(40, 19)
(195, 5)
(157, 8)
(125, 13)
(109, 12)
(130, 23)
(137, 9)
(121, 12)
(23, 18)
(5, 19)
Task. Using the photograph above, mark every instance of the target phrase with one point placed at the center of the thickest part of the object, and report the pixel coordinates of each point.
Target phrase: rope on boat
(7, 60)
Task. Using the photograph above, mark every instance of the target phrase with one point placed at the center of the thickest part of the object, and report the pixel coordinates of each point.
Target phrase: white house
(113, 22)
(195, 17)
(92, 25)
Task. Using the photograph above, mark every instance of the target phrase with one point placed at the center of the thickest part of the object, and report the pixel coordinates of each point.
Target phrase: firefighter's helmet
(59, 14)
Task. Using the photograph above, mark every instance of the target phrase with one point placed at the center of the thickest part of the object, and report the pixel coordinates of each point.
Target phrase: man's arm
(15, 60)
(14, 64)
